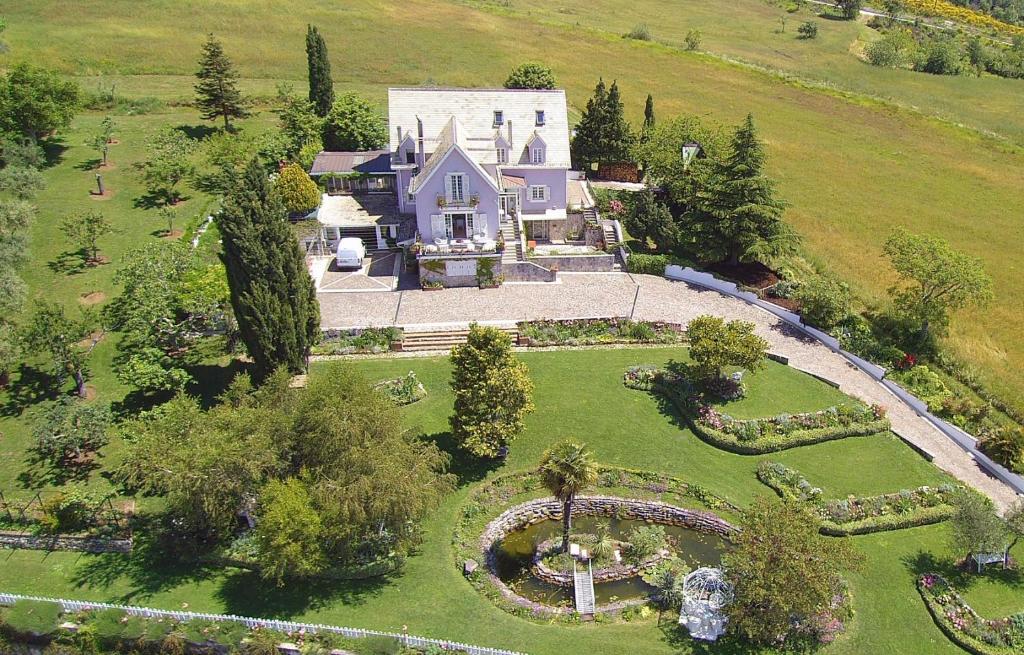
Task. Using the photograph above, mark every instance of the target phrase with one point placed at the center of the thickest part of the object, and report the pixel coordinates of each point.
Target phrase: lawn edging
(766, 445)
(943, 615)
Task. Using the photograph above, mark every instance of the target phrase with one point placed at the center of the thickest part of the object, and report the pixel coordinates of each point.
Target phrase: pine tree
(586, 144)
(217, 91)
(735, 213)
(271, 292)
(648, 118)
(321, 86)
(618, 136)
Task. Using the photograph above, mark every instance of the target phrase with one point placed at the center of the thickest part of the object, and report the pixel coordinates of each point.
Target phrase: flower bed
(404, 390)
(853, 515)
(500, 492)
(349, 342)
(964, 626)
(585, 332)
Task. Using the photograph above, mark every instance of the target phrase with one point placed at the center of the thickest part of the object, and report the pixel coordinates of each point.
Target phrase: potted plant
(474, 200)
(432, 285)
(441, 202)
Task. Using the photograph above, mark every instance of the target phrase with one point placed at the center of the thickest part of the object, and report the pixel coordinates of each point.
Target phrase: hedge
(916, 518)
(962, 639)
(764, 445)
(647, 264)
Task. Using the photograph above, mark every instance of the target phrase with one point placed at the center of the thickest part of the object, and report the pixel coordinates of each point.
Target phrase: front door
(460, 224)
(508, 203)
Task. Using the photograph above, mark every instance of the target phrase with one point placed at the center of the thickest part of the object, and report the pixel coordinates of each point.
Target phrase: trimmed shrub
(32, 619)
(647, 264)
(297, 190)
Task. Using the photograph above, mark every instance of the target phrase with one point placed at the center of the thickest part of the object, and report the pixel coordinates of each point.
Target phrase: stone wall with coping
(606, 574)
(27, 541)
(527, 272)
(596, 263)
(548, 509)
(427, 275)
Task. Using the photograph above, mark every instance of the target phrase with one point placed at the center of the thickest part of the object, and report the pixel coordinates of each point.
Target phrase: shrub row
(783, 425)
(852, 516)
(772, 444)
(582, 332)
(964, 626)
(347, 342)
(647, 264)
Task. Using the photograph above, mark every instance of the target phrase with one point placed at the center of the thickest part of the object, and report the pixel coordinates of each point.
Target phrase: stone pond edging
(544, 509)
(606, 574)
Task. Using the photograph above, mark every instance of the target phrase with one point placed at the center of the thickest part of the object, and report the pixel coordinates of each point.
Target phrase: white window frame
(543, 195)
(502, 154)
(455, 182)
(537, 155)
(539, 118)
(499, 117)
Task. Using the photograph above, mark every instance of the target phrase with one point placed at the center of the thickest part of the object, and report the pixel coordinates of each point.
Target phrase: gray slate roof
(370, 161)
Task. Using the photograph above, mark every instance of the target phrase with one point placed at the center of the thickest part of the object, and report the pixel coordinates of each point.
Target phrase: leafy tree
(169, 163)
(290, 532)
(808, 30)
(226, 155)
(493, 392)
(976, 526)
(662, 158)
(22, 182)
(203, 293)
(217, 93)
(1005, 444)
(1014, 518)
(52, 332)
(297, 190)
(934, 279)
(10, 351)
(71, 429)
(783, 572)
(734, 211)
(299, 122)
(16, 217)
(354, 124)
(941, 56)
(602, 135)
(21, 152)
(650, 219)
(849, 9)
(715, 344)
(693, 39)
(567, 470)
(978, 55)
(321, 85)
(151, 369)
(893, 9)
(100, 141)
(895, 49)
(83, 230)
(530, 75)
(824, 302)
(35, 102)
(271, 292)
(645, 132)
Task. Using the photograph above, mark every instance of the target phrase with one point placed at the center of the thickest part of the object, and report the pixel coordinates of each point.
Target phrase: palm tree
(566, 470)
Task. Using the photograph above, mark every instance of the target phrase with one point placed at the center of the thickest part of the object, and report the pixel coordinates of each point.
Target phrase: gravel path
(650, 298)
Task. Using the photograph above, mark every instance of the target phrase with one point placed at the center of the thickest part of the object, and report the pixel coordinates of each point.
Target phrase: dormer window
(499, 117)
(537, 155)
(410, 157)
(502, 155)
(540, 117)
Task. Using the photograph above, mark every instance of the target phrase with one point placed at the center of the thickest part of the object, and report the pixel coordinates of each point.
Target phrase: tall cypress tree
(648, 118)
(271, 291)
(618, 138)
(586, 144)
(321, 86)
(735, 212)
(217, 91)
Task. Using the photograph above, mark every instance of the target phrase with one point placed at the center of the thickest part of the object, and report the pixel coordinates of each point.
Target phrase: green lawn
(579, 394)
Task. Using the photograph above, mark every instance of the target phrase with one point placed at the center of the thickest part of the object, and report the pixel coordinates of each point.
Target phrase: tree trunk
(227, 125)
(734, 257)
(566, 523)
(5, 378)
(79, 383)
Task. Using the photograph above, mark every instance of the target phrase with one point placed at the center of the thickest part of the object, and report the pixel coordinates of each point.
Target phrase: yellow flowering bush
(964, 15)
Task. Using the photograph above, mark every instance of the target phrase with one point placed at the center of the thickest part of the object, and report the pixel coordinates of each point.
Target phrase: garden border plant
(955, 617)
(357, 341)
(907, 508)
(761, 435)
(404, 390)
(597, 331)
(515, 488)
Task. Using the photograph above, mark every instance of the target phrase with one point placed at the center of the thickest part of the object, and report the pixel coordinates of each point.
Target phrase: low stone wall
(26, 541)
(428, 275)
(596, 263)
(607, 574)
(546, 509)
(527, 272)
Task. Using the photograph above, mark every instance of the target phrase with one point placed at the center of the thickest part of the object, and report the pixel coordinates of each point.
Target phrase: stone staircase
(443, 339)
(583, 583)
(367, 234)
(513, 244)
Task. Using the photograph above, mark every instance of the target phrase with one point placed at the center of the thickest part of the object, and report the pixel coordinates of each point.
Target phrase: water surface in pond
(515, 556)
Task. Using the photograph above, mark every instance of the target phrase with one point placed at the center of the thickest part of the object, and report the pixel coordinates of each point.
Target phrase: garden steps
(443, 339)
(513, 244)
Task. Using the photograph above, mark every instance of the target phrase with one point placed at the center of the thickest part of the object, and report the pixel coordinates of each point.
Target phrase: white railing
(69, 606)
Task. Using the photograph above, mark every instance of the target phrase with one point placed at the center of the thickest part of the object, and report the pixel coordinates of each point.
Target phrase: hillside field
(850, 166)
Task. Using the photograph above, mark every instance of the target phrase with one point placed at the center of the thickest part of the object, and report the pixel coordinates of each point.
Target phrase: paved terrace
(649, 298)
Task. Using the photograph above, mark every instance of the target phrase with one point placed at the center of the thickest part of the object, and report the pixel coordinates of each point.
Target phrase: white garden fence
(267, 624)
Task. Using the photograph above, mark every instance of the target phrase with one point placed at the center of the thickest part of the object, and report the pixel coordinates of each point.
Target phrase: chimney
(421, 156)
(510, 147)
(398, 133)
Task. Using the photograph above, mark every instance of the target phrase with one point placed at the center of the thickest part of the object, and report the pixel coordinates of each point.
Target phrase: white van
(351, 253)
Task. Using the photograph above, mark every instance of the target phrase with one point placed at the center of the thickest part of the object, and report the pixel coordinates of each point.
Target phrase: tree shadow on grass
(155, 199)
(466, 467)
(923, 562)
(69, 262)
(679, 640)
(198, 132)
(29, 387)
(92, 164)
(53, 152)
(40, 472)
(245, 593)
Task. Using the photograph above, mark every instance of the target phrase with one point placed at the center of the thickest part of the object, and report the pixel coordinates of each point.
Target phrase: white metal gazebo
(705, 593)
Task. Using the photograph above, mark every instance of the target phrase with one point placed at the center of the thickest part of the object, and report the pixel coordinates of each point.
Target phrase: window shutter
(437, 226)
(448, 187)
(547, 190)
(480, 224)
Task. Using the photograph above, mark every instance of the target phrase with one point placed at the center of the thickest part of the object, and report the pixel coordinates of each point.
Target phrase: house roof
(369, 161)
(473, 109)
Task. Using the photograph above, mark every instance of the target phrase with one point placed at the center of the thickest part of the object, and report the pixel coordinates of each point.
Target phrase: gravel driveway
(586, 295)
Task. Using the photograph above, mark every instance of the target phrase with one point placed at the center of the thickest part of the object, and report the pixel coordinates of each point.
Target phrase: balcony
(467, 202)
